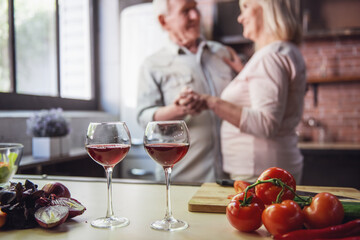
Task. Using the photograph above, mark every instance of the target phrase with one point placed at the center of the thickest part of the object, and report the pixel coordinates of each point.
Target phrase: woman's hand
(234, 61)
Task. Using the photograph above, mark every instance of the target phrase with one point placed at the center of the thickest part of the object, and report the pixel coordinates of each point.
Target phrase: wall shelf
(320, 34)
(314, 82)
(333, 79)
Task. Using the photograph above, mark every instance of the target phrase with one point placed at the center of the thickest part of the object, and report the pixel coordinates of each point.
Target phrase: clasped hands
(191, 102)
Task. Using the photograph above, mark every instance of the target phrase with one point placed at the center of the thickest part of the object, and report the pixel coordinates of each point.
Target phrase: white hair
(280, 18)
(160, 7)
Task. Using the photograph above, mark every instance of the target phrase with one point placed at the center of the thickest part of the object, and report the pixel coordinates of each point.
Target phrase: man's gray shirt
(163, 75)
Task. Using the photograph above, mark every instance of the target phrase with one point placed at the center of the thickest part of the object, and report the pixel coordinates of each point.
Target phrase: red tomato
(2, 218)
(240, 186)
(245, 218)
(268, 192)
(281, 218)
(325, 210)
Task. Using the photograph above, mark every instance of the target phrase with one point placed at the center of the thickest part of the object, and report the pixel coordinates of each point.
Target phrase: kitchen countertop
(329, 146)
(141, 203)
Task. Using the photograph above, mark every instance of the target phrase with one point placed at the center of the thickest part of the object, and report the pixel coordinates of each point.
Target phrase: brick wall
(333, 57)
(338, 105)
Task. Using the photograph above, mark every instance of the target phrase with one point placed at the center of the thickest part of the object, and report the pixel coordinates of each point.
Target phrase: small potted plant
(49, 130)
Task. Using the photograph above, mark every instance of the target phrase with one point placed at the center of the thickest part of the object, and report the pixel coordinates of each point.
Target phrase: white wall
(141, 36)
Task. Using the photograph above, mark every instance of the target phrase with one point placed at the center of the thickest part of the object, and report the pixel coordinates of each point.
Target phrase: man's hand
(190, 102)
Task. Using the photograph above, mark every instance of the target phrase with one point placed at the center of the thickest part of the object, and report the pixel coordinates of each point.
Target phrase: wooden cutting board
(213, 198)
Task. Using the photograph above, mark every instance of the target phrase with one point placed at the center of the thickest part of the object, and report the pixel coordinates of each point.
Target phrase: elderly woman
(263, 105)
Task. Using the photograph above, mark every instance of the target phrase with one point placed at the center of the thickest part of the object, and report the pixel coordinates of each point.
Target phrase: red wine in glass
(107, 143)
(108, 154)
(167, 142)
(167, 154)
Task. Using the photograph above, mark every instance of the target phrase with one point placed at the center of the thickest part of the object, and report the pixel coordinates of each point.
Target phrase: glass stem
(168, 214)
(110, 212)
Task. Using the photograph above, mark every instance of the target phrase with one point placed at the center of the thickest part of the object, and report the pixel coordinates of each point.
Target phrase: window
(5, 82)
(46, 54)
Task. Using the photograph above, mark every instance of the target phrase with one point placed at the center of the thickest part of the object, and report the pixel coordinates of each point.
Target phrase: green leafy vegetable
(5, 172)
(12, 158)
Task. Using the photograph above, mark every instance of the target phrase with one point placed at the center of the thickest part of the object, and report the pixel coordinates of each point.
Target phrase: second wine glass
(167, 142)
(107, 144)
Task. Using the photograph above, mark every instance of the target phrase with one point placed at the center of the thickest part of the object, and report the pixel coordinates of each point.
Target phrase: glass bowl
(10, 156)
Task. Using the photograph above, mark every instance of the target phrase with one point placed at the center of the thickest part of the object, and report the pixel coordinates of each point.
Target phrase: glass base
(111, 222)
(170, 224)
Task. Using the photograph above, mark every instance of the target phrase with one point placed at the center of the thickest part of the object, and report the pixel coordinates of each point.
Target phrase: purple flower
(48, 123)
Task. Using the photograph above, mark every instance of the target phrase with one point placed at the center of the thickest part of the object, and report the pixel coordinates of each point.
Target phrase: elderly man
(186, 61)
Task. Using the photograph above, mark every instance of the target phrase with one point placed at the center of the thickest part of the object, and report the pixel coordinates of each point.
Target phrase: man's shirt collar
(179, 50)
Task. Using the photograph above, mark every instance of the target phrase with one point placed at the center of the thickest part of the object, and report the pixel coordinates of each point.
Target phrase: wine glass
(167, 142)
(107, 144)
(10, 157)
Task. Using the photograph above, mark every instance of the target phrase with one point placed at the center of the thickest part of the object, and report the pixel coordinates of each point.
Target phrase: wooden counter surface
(142, 204)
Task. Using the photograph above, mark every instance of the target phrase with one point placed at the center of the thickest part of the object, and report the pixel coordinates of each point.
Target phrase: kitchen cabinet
(326, 18)
(331, 165)
(77, 163)
(226, 29)
(136, 165)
